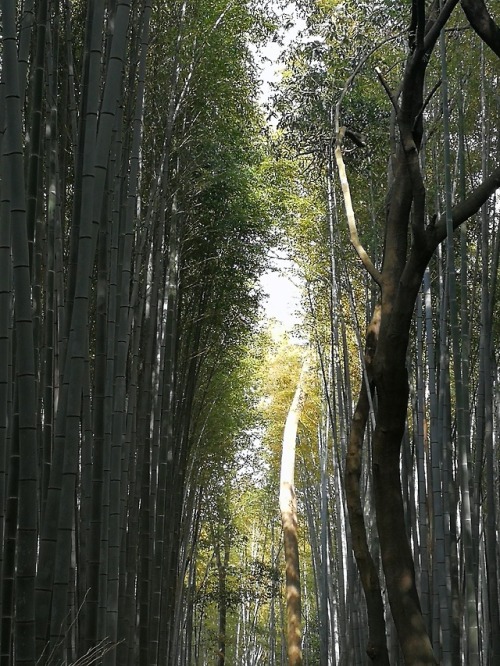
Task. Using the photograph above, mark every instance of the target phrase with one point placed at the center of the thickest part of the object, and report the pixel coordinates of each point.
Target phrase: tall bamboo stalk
(24, 425)
(288, 508)
(462, 434)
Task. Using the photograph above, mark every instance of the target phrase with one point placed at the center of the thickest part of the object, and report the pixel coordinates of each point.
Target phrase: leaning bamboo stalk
(288, 508)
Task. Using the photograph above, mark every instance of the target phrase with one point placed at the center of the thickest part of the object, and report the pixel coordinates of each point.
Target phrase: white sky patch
(283, 298)
(268, 55)
(282, 302)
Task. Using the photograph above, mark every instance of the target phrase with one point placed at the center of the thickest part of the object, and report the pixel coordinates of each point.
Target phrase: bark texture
(288, 508)
(377, 642)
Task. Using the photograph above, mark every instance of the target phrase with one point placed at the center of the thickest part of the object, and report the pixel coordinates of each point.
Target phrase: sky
(283, 295)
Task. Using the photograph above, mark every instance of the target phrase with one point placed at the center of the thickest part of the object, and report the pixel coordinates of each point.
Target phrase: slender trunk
(222, 560)
(463, 434)
(420, 437)
(486, 358)
(24, 424)
(324, 574)
(288, 508)
(9, 554)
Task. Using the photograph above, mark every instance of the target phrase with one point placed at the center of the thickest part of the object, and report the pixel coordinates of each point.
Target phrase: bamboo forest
(198, 468)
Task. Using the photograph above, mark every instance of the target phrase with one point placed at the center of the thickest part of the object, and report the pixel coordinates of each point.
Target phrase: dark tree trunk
(391, 381)
(399, 279)
(377, 641)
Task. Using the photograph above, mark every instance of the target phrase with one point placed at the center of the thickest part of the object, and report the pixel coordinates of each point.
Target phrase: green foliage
(281, 368)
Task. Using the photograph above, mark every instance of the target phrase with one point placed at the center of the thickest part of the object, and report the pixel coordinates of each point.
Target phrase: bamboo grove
(142, 400)
(132, 240)
(394, 133)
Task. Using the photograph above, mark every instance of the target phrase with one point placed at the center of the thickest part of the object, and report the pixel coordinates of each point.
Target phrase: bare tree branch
(428, 99)
(389, 92)
(435, 28)
(419, 8)
(351, 218)
(464, 210)
(356, 71)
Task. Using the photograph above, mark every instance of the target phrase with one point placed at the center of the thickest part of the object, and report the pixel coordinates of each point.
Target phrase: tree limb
(420, 20)
(428, 99)
(389, 92)
(356, 71)
(436, 232)
(482, 23)
(351, 219)
(435, 28)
